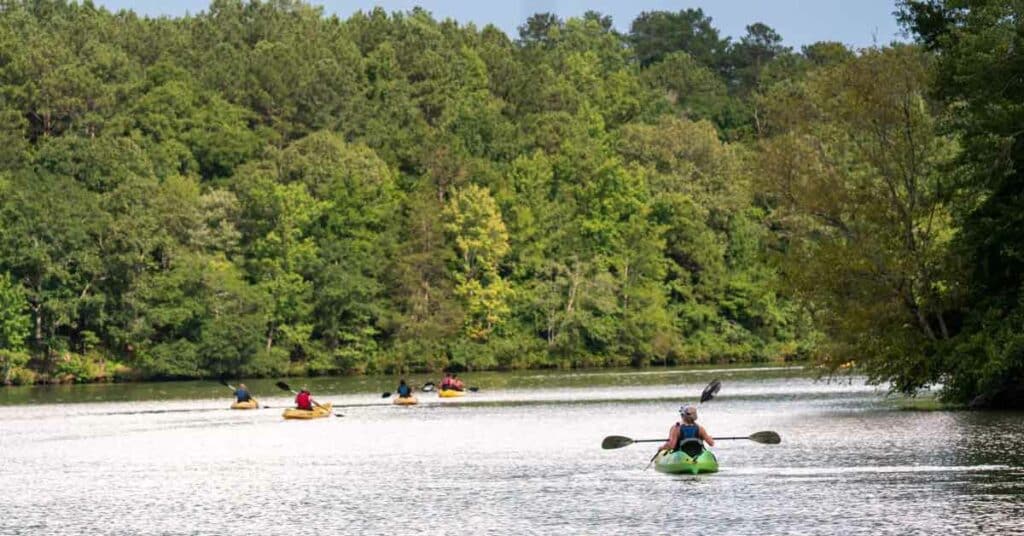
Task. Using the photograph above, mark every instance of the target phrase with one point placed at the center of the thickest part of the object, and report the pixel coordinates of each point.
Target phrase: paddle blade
(710, 391)
(427, 387)
(385, 395)
(223, 382)
(615, 442)
(283, 386)
(766, 437)
(474, 389)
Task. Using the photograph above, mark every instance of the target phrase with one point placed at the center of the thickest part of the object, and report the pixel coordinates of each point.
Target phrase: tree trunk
(942, 327)
(923, 322)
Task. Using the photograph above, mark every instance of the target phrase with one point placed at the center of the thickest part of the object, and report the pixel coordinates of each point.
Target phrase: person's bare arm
(673, 438)
(706, 437)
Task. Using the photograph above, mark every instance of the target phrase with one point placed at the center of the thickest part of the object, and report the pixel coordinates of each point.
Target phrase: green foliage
(655, 35)
(978, 78)
(481, 241)
(262, 189)
(855, 173)
(14, 322)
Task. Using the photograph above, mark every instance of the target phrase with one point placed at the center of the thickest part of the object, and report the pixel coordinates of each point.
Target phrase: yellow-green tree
(474, 224)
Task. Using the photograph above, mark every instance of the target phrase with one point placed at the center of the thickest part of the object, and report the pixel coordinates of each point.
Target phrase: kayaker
(687, 428)
(242, 393)
(457, 383)
(304, 400)
(404, 391)
(446, 382)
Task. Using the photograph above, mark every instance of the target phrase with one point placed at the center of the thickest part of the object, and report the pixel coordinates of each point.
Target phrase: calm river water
(521, 456)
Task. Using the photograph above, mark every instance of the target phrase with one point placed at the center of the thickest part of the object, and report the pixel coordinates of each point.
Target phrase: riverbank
(73, 368)
(370, 387)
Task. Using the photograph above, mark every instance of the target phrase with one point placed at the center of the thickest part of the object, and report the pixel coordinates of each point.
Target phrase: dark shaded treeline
(263, 189)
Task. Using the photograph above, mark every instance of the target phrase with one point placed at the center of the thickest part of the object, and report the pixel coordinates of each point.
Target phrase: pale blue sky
(858, 23)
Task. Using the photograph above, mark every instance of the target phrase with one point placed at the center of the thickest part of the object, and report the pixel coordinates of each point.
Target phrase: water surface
(520, 456)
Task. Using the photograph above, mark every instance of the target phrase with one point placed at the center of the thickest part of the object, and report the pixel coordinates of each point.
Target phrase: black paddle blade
(385, 395)
(766, 437)
(474, 389)
(223, 382)
(710, 391)
(283, 386)
(615, 442)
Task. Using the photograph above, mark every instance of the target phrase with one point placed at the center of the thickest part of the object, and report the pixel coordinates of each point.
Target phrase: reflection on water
(521, 456)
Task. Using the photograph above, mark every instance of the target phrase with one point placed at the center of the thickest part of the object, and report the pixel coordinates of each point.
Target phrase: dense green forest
(267, 189)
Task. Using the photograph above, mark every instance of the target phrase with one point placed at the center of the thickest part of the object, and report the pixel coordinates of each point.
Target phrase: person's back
(688, 433)
(457, 383)
(446, 382)
(404, 391)
(303, 400)
(242, 394)
(687, 430)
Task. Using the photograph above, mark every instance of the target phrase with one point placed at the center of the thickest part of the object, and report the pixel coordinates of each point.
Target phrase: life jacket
(302, 400)
(404, 391)
(688, 431)
(241, 395)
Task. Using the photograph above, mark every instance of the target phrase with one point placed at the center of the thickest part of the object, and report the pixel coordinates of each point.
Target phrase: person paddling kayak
(242, 394)
(304, 400)
(404, 391)
(687, 428)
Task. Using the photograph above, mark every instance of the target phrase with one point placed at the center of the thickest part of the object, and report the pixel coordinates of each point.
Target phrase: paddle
(224, 382)
(285, 387)
(617, 442)
(710, 391)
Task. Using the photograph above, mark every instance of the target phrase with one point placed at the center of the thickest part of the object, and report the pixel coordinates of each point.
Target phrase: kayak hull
(678, 462)
(407, 401)
(450, 393)
(318, 412)
(250, 404)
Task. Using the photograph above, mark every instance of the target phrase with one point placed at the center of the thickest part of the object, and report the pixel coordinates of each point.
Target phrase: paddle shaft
(664, 440)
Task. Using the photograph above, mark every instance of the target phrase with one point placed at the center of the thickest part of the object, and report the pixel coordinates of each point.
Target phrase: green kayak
(679, 462)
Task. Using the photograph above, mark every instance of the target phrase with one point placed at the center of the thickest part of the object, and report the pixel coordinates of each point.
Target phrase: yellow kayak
(407, 401)
(251, 404)
(322, 410)
(450, 393)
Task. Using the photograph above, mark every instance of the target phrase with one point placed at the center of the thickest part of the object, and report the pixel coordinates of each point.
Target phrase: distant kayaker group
(305, 407)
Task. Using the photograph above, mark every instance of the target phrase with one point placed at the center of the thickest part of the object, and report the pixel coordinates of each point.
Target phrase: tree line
(263, 188)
